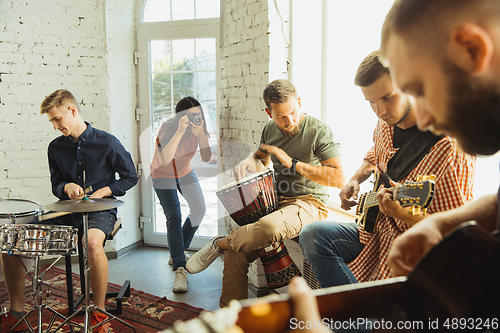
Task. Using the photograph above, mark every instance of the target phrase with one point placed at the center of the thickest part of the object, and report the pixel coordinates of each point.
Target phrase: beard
(408, 109)
(473, 112)
(291, 133)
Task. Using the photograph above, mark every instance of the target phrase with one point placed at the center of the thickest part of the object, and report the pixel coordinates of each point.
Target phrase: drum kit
(246, 201)
(20, 236)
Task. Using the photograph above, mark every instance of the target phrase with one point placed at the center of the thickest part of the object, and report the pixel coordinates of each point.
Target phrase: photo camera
(195, 119)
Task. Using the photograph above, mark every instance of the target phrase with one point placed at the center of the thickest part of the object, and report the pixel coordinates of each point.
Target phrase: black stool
(72, 305)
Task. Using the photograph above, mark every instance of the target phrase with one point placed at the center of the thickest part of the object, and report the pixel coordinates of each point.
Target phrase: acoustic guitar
(454, 288)
(417, 194)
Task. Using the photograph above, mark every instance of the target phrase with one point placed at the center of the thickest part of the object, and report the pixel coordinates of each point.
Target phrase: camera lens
(195, 119)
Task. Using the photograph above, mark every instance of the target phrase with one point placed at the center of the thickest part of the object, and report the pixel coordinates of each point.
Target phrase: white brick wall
(255, 50)
(68, 46)
(121, 97)
(255, 39)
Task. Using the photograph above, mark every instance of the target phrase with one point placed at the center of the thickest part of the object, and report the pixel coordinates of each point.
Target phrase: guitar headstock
(417, 194)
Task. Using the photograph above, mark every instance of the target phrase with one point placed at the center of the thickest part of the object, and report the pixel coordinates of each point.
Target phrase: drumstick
(57, 214)
(51, 215)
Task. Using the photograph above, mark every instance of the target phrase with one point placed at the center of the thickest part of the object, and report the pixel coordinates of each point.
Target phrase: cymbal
(84, 205)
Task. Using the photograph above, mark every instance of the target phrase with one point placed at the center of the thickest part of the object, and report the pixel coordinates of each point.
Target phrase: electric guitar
(417, 194)
(454, 288)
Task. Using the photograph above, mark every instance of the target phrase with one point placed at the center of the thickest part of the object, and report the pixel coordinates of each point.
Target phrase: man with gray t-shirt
(305, 158)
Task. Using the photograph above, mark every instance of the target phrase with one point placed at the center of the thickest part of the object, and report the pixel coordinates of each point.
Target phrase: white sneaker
(181, 281)
(171, 262)
(204, 257)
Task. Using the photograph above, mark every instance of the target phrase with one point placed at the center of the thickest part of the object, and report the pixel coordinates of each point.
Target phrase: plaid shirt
(454, 171)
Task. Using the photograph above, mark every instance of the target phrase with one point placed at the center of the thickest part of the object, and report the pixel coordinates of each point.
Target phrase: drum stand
(87, 307)
(38, 292)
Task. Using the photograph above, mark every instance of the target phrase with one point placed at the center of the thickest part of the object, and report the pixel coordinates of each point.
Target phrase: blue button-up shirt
(99, 154)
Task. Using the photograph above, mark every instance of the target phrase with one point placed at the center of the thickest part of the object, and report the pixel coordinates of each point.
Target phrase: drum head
(246, 179)
(12, 208)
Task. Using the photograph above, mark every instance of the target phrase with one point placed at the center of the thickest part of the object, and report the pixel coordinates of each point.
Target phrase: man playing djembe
(305, 158)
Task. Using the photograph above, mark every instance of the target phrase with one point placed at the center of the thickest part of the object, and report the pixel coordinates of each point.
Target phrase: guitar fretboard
(371, 198)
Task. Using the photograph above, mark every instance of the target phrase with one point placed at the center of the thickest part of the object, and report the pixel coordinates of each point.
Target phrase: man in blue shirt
(101, 155)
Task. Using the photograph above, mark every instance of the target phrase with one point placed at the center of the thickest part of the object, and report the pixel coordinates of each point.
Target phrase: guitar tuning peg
(432, 177)
(415, 210)
(424, 211)
(419, 178)
(424, 178)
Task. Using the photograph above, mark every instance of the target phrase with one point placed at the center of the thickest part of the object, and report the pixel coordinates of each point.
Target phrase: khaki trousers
(285, 223)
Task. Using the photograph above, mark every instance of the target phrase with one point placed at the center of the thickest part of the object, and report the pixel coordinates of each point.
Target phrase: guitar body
(456, 287)
(459, 278)
(371, 214)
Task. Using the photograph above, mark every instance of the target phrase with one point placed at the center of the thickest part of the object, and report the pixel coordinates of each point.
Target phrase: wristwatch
(294, 163)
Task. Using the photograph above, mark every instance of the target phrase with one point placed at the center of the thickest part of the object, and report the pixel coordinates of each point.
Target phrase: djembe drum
(246, 201)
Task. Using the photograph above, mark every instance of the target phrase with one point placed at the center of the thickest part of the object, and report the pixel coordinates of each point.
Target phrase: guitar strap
(410, 154)
(496, 233)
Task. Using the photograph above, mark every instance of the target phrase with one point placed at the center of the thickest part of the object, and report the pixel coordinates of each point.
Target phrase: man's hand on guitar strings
(350, 190)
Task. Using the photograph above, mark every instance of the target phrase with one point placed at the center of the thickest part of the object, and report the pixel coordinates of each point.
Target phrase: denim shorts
(103, 220)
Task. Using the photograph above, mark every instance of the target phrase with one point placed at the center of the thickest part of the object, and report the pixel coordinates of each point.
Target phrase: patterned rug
(147, 313)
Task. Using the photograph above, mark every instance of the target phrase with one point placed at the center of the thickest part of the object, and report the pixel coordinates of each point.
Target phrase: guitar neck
(273, 314)
(336, 303)
(371, 198)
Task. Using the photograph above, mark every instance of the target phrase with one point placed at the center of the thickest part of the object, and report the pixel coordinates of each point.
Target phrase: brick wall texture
(254, 51)
(84, 46)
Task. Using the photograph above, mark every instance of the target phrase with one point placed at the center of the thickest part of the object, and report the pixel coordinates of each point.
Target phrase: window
(183, 67)
(330, 39)
(179, 39)
(173, 10)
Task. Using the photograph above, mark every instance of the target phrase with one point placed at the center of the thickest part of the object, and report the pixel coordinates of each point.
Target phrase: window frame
(165, 30)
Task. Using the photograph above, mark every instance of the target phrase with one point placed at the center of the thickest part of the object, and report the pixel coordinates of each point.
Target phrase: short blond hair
(58, 98)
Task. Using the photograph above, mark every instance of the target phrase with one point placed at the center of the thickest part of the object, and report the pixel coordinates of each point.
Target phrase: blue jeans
(329, 246)
(179, 238)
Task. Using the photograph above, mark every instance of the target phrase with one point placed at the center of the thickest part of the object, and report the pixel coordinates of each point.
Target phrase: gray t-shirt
(314, 144)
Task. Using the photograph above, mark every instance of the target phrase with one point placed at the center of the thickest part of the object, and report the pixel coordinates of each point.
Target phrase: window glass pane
(205, 54)
(179, 68)
(167, 10)
(183, 54)
(161, 55)
(206, 91)
(182, 9)
(156, 10)
(162, 98)
(207, 8)
(183, 85)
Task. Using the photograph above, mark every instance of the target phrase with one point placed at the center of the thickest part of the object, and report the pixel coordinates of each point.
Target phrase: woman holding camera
(171, 170)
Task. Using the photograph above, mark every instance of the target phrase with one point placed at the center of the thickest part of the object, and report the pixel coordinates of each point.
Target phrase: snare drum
(250, 198)
(18, 211)
(36, 240)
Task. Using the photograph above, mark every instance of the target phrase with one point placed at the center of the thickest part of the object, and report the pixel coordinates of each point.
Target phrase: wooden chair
(72, 305)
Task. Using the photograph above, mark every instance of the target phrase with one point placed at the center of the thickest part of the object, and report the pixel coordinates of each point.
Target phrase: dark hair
(58, 98)
(428, 22)
(278, 92)
(370, 70)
